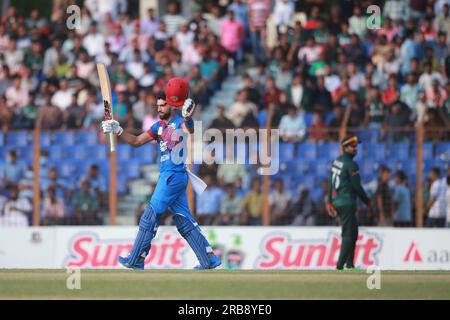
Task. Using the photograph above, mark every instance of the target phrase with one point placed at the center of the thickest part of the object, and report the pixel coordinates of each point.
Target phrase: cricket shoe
(214, 262)
(138, 266)
(353, 268)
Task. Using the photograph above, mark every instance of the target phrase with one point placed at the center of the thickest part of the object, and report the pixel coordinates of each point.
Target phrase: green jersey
(344, 183)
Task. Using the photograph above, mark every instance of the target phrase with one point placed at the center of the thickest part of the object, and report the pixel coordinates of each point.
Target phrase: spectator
(355, 52)
(258, 12)
(356, 78)
(120, 109)
(51, 56)
(311, 52)
(397, 122)
(295, 91)
(85, 66)
(232, 35)
(441, 49)
(197, 22)
(74, 115)
(97, 184)
(442, 20)
(28, 114)
(253, 205)
(391, 94)
(63, 97)
(292, 126)
(272, 92)
(396, 10)
(34, 57)
(436, 206)
(94, 41)
(17, 96)
(230, 207)
(209, 167)
(86, 205)
(13, 57)
(53, 210)
(253, 92)
(198, 86)
(279, 201)
(140, 107)
(283, 14)
(239, 109)
(373, 77)
(208, 203)
(321, 97)
(17, 211)
(215, 21)
(436, 95)
(221, 122)
(184, 37)
(180, 69)
(318, 130)
(209, 70)
(173, 19)
(4, 39)
(116, 40)
(428, 76)
(12, 171)
(50, 115)
(357, 23)
(61, 186)
(375, 110)
(402, 202)
(409, 92)
(303, 209)
(150, 25)
(230, 172)
(383, 197)
(135, 67)
(408, 50)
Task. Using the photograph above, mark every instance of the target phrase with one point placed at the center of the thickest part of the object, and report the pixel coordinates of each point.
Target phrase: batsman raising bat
(170, 191)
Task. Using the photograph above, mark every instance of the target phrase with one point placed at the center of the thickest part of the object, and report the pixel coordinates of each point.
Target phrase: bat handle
(111, 142)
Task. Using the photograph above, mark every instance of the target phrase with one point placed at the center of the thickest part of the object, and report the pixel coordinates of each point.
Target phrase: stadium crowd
(322, 58)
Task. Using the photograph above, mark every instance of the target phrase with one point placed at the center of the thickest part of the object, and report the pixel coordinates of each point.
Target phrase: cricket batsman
(170, 191)
(344, 186)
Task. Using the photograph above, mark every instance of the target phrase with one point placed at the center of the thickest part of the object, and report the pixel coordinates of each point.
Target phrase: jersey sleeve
(330, 187)
(153, 131)
(355, 180)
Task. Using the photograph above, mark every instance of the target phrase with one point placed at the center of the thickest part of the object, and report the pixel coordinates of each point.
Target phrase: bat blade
(105, 87)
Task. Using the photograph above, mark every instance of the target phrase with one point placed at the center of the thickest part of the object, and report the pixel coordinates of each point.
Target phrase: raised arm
(135, 141)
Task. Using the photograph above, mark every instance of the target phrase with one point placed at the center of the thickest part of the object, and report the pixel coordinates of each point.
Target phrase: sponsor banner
(27, 247)
(238, 247)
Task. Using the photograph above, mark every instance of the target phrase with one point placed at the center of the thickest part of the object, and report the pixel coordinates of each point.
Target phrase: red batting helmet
(177, 91)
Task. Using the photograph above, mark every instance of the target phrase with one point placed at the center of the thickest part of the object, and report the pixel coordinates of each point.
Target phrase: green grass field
(221, 284)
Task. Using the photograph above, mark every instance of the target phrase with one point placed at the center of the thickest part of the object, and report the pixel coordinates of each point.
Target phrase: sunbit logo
(87, 250)
(279, 251)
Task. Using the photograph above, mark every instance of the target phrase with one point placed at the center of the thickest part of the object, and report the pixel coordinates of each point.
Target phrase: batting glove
(113, 126)
(188, 108)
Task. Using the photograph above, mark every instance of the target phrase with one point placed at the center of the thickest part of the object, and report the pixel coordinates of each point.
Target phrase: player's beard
(166, 115)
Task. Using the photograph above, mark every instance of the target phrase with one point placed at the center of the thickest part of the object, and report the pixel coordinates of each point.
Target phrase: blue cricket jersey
(170, 141)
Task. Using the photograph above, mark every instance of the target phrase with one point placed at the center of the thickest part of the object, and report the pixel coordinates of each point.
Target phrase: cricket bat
(107, 99)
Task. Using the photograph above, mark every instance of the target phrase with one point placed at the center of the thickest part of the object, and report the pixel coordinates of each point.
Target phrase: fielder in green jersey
(344, 186)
